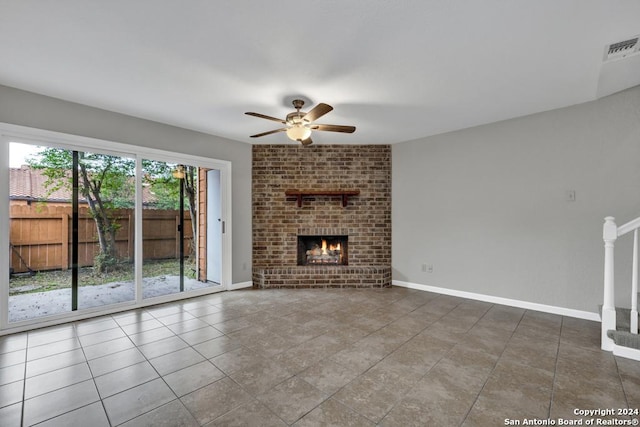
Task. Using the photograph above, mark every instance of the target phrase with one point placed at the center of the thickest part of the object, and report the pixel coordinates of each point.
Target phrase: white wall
(38, 111)
(487, 206)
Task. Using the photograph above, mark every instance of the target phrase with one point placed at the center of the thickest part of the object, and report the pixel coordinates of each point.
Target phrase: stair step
(625, 338)
(623, 319)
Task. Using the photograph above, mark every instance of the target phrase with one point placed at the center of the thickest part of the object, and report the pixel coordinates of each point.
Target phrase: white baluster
(634, 285)
(609, 235)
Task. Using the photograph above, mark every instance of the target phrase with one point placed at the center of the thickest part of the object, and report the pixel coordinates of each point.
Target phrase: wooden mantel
(344, 194)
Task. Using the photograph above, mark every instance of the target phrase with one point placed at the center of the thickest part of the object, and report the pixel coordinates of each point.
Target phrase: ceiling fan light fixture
(298, 132)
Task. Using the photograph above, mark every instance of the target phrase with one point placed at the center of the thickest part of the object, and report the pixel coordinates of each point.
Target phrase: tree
(108, 182)
(163, 180)
(105, 183)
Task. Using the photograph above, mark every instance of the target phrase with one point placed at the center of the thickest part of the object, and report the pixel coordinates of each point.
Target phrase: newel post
(609, 235)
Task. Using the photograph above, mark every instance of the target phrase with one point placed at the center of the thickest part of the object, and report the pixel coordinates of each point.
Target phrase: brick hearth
(277, 219)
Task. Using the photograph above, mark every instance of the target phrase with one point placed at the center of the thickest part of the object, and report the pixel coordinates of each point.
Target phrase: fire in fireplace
(322, 250)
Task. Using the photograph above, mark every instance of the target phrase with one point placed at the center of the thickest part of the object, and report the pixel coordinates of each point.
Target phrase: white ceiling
(397, 70)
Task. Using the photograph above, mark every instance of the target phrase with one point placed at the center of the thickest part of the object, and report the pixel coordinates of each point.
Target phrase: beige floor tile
(248, 415)
(503, 317)
(174, 318)
(200, 335)
(50, 349)
(374, 393)
(125, 378)
(436, 400)
(193, 377)
(512, 391)
(328, 376)
(11, 374)
(537, 353)
(131, 317)
(216, 346)
(630, 376)
(333, 413)
(50, 335)
(136, 401)
(234, 360)
(59, 402)
(139, 327)
(187, 325)
(85, 327)
(102, 336)
(54, 380)
(212, 401)
(260, 377)
(91, 415)
(11, 416)
(108, 347)
(15, 342)
(177, 360)
(230, 325)
(115, 361)
(151, 335)
(292, 399)
(398, 357)
(52, 363)
(11, 393)
(162, 347)
(171, 414)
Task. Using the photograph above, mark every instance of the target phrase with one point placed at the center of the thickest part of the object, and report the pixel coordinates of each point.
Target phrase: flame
(324, 247)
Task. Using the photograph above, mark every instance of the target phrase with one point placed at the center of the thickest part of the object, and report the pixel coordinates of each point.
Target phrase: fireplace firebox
(323, 250)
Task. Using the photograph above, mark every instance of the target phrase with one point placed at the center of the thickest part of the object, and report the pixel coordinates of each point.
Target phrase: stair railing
(610, 233)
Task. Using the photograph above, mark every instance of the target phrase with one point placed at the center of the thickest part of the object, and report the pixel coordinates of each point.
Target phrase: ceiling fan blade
(334, 128)
(318, 111)
(262, 116)
(307, 141)
(268, 133)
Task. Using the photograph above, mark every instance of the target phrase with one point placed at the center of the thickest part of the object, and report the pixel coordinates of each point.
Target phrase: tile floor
(391, 357)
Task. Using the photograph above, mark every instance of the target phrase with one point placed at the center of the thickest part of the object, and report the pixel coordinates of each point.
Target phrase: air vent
(621, 49)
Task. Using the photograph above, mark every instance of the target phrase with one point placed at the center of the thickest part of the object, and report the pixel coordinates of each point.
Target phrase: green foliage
(111, 177)
(107, 182)
(104, 262)
(164, 188)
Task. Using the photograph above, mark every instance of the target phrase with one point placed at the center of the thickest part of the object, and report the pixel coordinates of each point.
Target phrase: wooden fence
(40, 236)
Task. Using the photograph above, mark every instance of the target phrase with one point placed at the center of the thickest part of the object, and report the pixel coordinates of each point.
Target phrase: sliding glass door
(71, 230)
(175, 224)
(93, 227)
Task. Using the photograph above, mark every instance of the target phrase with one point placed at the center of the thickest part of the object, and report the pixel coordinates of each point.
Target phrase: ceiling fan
(300, 124)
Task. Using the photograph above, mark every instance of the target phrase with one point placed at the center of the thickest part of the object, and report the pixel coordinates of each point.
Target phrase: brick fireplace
(321, 216)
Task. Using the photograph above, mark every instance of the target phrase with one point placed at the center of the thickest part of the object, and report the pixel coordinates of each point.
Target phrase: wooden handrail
(628, 227)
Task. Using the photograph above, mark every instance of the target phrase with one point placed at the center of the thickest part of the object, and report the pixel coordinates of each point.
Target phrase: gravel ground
(37, 304)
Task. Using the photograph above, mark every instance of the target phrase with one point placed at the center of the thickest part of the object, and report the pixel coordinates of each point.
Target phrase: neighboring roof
(26, 183)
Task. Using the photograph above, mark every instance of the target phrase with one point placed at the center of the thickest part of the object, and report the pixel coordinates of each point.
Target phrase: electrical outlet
(571, 195)
(427, 268)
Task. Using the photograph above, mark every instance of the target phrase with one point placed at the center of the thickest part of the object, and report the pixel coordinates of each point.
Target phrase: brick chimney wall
(277, 219)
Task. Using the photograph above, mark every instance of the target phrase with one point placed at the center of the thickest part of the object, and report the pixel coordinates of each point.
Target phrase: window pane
(106, 199)
(40, 220)
(170, 229)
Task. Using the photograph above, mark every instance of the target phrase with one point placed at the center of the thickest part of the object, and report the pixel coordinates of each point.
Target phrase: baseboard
(562, 311)
(626, 352)
(241, 285)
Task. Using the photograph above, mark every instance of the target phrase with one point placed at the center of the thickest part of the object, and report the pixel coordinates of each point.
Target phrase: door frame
(15, 133)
